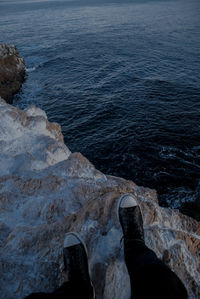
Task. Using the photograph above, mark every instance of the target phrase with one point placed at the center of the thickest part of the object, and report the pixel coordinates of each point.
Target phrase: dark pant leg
(149, 276)
(69, 290)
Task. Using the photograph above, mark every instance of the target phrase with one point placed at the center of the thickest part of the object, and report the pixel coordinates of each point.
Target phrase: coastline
(46, 191)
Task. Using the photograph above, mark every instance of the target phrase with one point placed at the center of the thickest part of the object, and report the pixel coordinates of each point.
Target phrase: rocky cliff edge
(46, 191)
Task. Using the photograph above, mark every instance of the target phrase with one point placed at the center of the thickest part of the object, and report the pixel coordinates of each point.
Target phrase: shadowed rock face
(12, 72)
(46, 191)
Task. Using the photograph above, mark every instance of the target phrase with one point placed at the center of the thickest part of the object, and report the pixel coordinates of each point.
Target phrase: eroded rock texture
(46, 191)
(12, 71)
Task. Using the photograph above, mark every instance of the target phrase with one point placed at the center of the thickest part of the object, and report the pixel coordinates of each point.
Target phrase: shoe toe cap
(71, 240)
(128, 201)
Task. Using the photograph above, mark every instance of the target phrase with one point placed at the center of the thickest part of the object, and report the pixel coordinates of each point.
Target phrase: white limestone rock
(46, 191)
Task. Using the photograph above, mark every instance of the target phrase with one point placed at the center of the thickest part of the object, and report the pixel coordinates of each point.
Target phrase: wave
(178, 196)
(31, 69)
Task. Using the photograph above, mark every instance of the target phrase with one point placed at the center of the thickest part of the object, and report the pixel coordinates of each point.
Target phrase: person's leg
(69, 290)
(78, 283)
(149, 276)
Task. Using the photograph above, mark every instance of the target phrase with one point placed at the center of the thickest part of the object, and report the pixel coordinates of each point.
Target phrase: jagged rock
(46, 191)
(12, 71)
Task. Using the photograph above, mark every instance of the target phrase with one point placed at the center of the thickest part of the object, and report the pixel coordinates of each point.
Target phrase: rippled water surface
(123, 80)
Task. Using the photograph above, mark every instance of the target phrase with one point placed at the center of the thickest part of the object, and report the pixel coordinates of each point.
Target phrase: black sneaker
(75, 259)
(130, 218)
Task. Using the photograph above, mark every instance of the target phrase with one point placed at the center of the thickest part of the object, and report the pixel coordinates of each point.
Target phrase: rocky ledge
(46, 191)
(12, 71)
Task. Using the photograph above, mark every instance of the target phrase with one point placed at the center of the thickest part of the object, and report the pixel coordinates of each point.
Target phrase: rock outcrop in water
(46, 191)
(12, 71)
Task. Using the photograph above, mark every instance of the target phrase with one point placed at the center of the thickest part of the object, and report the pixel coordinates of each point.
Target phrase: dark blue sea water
(123, 80)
